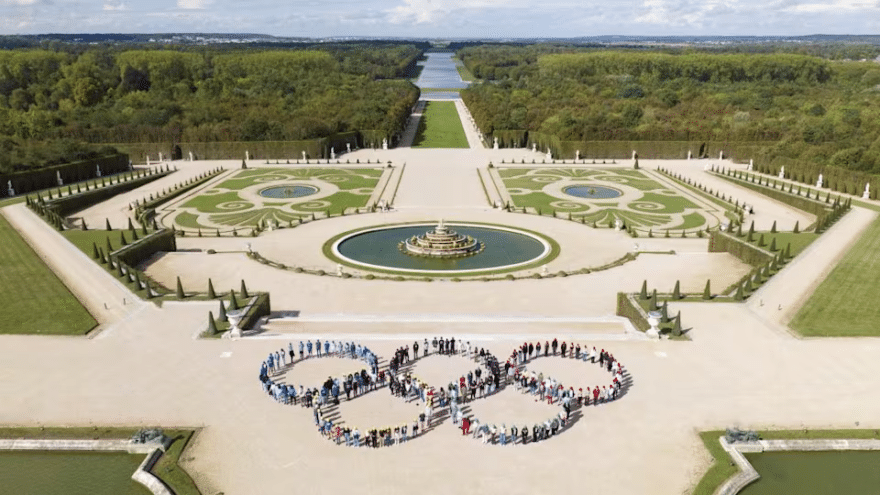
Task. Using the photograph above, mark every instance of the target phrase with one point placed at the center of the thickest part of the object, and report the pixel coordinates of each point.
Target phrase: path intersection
(145, 366)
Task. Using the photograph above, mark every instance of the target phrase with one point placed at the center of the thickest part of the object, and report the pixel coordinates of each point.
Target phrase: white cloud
(193, 4)
(425, 11)
(116, 5)
(20, 3)
(837, 6)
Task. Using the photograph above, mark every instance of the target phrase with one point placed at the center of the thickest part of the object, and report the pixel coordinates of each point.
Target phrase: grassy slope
(845, 303)
(42, 304)
(440, 127)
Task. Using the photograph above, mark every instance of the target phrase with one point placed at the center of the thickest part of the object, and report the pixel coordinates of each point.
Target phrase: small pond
(592, 192)
(288, 192)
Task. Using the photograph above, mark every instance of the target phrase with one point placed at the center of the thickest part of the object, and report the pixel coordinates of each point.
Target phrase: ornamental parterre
(488, 378)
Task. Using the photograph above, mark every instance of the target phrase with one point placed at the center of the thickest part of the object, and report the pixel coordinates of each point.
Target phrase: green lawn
(465, 74)
(845, 303)
(38, 302)
(440, 127)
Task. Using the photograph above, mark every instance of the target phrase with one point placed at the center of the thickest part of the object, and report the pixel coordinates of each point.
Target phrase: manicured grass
(845, 303)
(166, 468)
(466, 75)
(440, 127)
(723, 468)
(37, 301)
(71, 473)
(815, 473)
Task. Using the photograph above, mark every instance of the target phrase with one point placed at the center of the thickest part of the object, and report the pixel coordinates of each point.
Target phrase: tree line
(198, 94)
(801, 107)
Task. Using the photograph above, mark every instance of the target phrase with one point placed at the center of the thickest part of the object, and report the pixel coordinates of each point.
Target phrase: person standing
(465, 426)
(564, 348)
(416, 349)
(547, 348)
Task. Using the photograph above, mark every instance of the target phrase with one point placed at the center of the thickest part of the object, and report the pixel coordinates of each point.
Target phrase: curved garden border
(551, 250)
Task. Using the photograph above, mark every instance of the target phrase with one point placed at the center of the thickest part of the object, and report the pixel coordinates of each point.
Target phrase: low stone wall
(142, 475)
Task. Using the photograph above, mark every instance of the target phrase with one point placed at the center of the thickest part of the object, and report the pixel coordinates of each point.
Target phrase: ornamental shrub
(707, 292)
(180, 293)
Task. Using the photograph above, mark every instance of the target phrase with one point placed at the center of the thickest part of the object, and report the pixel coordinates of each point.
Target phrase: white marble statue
(59, 179)
(384, 143)
(534, 147)
(9, 189)
(130, 165)
(821, 181)
(332, 153)
(161, 158)
(148, 160)
(338, 269)
(495, 144)
(247, 155)
(348, 147)
(191, 158)
(721, 155)
(577, 155)
(304, 155)
(707, 167)
(782, 172)
(618, 224)
(689, 154)
(867, 193)
(98, 170)
(751, 165)
(634, 155)
(549, 154)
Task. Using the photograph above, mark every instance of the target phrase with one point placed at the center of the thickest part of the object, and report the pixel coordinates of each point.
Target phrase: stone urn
(234, 317)
(654, 321)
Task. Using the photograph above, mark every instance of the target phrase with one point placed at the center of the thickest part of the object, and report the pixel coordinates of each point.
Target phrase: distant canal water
(439, 72)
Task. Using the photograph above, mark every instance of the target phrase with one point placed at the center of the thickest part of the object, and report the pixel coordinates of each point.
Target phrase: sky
(444, 18)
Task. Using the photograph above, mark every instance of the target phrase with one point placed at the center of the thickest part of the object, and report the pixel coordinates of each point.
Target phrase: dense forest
(196, 94)
(800, 107)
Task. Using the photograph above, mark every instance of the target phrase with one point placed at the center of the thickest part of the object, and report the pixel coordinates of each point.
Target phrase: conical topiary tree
(664, 312)
(244, 291)
(84, 226)
(654, 300)
(707, 291)
(233, 302)
(107, 225)
(180, 293)
(676, 291)
(739, 293)
(643, 294)
(773, 244)
(748, 285)
(751, 237)
(149, 291)
(212, 327)
(211, 293)
(797, 227)
(788, 251)
(739, 229)
(109, 246)
(761, 241)
(144, 228)
(130, 226)
(676, 327)
(222, 315)
(95, 254)
(122, 240)
(773, 228)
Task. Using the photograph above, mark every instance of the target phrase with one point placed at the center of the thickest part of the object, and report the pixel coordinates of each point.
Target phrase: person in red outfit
(466, 426)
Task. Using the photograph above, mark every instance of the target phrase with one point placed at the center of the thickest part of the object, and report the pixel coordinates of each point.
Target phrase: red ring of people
(439, 403)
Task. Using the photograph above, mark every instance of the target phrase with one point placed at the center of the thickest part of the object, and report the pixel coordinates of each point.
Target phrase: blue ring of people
(488, 378)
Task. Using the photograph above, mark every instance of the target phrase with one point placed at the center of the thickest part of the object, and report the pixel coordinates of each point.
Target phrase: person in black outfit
(416, 349)
(555, 345)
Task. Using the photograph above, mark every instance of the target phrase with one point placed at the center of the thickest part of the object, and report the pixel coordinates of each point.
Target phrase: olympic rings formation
(404, 384)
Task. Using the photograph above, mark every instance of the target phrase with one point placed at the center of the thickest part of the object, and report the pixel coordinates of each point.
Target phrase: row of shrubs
(145, 209)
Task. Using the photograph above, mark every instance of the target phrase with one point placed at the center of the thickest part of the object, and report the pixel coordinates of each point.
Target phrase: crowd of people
(486, 379)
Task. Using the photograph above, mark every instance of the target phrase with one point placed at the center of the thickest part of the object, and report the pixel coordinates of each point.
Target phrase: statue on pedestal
(98, 170)
(348, 147)
(689, 154)
(577, 155)
(549, 154)
(495, 144)
(191, 158)
(332, 153)
(634, 155)
(59, 179)
(782, 172)
(721, 155)
(867, 193)
(304, 155)
(534, 147)
(821, 181)
(10, 191)
(148, 160)
(751, 165)
(247, 155)
(384, 143)
(161, 159)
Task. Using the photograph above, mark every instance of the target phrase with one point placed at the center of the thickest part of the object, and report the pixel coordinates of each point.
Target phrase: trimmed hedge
(258, 308)
(739, 151)
(79, 201)
(628, 308)
(144, 248)
(146, 210)
(818, 208)
(260, 150)
(722, 242)
(46, 178)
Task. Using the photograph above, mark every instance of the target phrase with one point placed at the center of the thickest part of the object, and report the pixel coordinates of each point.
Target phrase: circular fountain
(441, 242)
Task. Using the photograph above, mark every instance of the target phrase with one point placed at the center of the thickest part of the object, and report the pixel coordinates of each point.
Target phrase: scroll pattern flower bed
(261, 196)
(599, 197)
